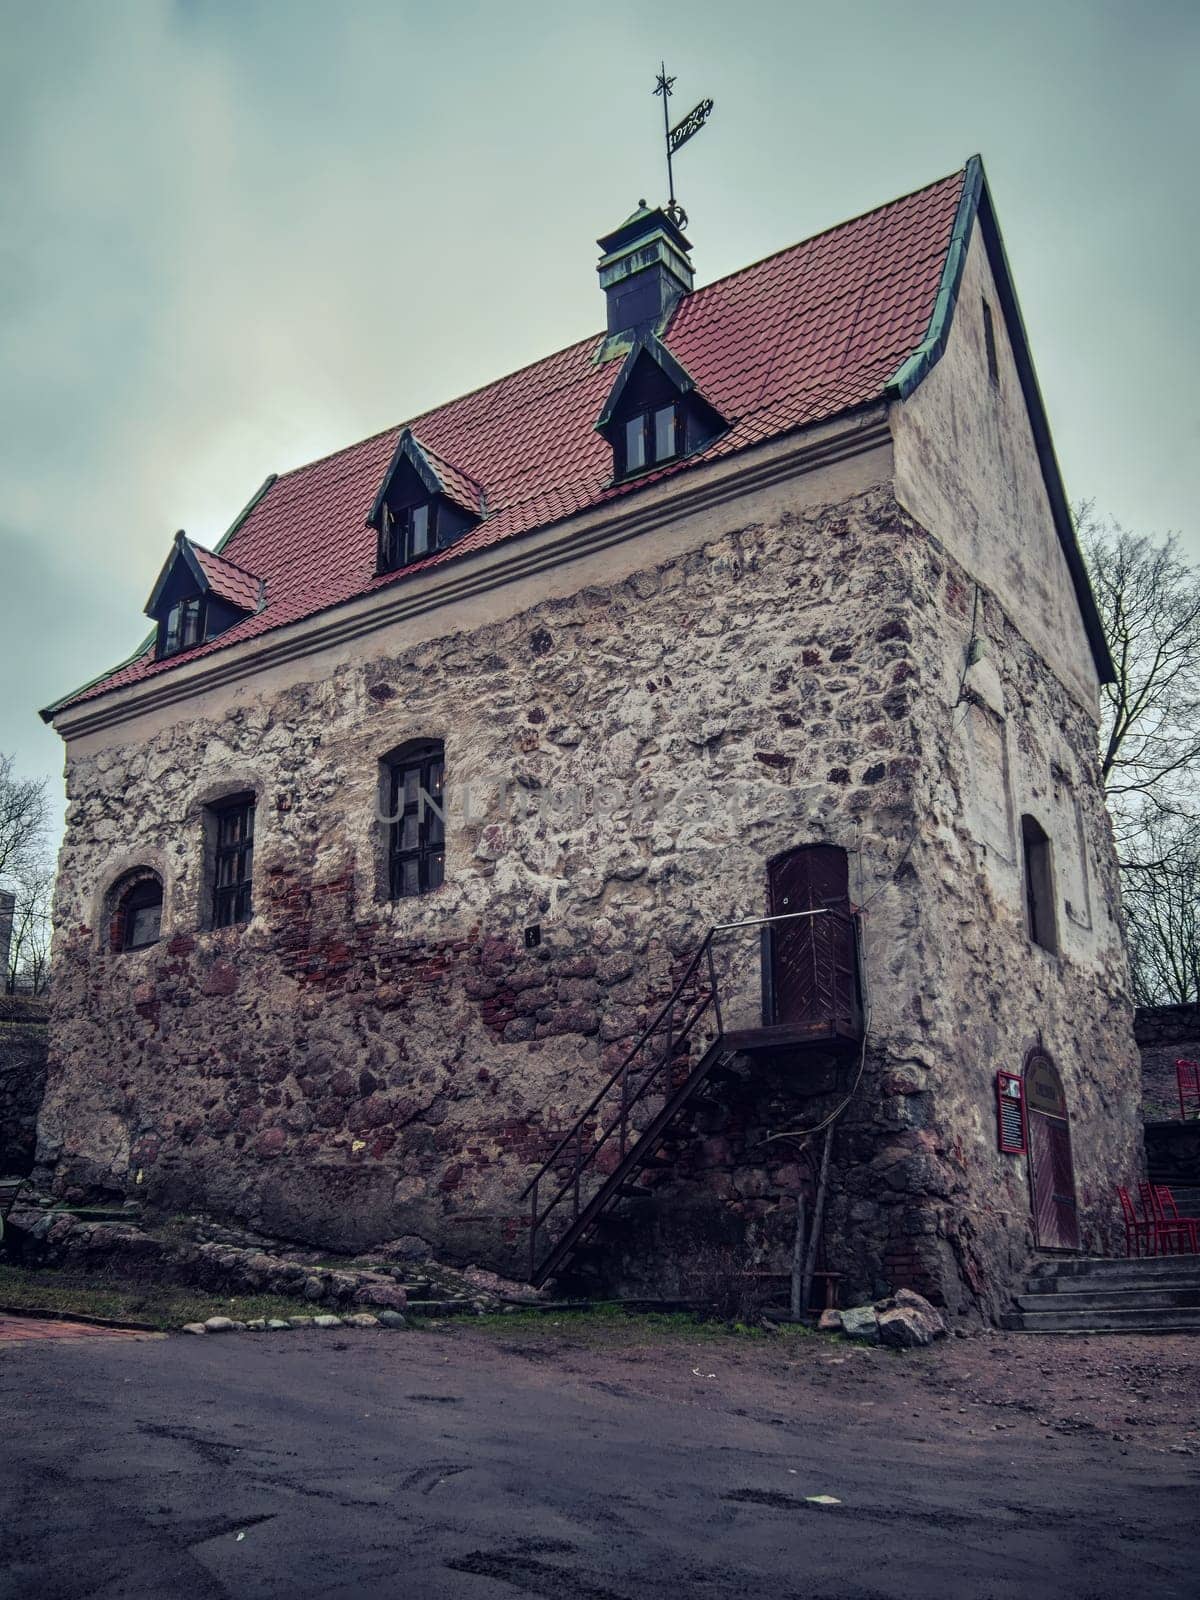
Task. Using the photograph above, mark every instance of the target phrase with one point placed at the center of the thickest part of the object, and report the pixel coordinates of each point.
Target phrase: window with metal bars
(233, 861)
(416, 777)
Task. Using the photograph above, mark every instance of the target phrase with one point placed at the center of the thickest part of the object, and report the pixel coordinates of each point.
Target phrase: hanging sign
(1010, 1105)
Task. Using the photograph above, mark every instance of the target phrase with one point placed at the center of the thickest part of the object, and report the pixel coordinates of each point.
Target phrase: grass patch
(159, 1305)
(612, 1326)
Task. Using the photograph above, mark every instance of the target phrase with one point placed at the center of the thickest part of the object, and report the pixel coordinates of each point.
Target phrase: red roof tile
(793, 340)
(227, 580)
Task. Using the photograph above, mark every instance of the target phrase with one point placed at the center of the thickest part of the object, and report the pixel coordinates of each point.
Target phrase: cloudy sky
(238, 234)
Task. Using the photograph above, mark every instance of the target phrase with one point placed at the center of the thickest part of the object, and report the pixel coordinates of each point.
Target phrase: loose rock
(861, 1322)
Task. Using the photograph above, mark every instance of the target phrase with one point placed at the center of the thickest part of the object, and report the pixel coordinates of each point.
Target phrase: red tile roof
(793, 340)
(227, 580)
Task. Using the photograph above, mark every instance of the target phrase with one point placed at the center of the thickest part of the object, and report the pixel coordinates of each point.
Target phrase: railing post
(578, 1164)
(624, 1107)
(712, 981)
(533, 1228)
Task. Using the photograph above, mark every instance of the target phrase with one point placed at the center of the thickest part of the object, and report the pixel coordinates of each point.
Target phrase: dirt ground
(1135, 1391)
(596, 1460)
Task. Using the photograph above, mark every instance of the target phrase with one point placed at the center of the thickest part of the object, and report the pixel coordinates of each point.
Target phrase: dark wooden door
(1051, 1169)
(811, 960)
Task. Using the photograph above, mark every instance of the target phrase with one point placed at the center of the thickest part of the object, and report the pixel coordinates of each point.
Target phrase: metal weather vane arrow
(676, 137)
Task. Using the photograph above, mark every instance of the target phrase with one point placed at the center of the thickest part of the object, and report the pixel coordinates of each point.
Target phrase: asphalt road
(430, 1465)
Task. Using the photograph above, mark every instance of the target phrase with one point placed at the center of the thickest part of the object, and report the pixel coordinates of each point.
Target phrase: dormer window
(406, 534)
(423, 505)
(654, 413)
(652, 437)
(200, 594)
(184, 626)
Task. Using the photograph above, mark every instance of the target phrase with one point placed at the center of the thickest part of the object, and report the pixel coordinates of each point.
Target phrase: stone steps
(1158, 1294)
(1182, 1298)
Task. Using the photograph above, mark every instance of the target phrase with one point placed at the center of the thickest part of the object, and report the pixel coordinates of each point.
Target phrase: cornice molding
(542, 549)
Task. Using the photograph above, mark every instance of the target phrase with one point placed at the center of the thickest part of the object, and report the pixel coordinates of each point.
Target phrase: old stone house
(408, 820)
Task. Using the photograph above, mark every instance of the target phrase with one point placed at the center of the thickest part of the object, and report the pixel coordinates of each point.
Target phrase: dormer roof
(646, 347)
(438, 476)
(211, 573)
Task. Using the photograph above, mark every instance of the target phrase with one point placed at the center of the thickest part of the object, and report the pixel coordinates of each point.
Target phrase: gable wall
(968, 470)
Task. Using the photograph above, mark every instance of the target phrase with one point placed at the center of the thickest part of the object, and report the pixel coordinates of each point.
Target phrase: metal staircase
(618, 1133)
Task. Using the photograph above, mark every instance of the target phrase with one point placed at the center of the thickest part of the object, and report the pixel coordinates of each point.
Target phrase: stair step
(1133, 1321)
(1016, 1324)
(1147, 1269)
(1104, 1283)
(1145, 1299)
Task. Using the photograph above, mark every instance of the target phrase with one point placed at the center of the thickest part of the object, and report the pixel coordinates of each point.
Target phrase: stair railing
(630, 1087)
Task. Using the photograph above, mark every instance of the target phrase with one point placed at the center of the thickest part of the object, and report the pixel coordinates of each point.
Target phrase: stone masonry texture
(23, 1037)
(1165, 1035)
(344, 1070)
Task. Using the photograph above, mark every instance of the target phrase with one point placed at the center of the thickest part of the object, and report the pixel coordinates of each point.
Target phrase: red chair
(1170, 1229)
(1187, 1080)
(1187, 1227)
(1138, 1230)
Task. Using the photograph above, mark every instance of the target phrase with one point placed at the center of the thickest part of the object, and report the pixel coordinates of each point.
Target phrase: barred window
(233, 860)
(417, 836)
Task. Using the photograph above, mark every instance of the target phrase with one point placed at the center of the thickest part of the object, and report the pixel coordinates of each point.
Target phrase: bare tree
(25, 871)
(23, 818)
(1149, 601)
(1161, 897)
(29, 948)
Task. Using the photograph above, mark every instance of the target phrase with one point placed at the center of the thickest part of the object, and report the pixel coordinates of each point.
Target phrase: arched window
(1039, 885)
(135, 910)
(414, 778)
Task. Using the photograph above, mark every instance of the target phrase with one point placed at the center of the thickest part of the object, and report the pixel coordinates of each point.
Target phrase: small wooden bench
(830, 1279)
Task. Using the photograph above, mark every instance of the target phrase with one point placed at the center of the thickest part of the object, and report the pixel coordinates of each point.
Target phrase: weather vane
(678, 136)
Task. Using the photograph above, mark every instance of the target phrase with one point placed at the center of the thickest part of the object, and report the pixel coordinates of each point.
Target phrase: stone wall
(344, 1069)
(23, 1036)
(1165, 1034)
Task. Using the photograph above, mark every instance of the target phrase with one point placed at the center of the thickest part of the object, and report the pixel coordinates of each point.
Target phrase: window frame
(197, 604)
(648, 418)
(397, 534)
(1037, 884)
(134, 891)
(144, 895)
(232, 901)
(989, 343)
(427, 759)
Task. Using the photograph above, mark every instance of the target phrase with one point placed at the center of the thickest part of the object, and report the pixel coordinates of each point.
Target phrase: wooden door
(1051, 1169)
(812, 980)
